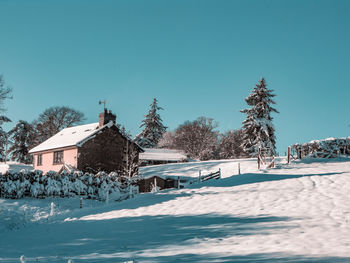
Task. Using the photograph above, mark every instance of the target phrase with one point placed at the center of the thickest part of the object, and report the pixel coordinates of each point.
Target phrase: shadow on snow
(132, 238)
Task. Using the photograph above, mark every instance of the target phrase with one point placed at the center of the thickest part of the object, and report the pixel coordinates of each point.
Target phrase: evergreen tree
(257, 127)
(124, 131)
(3, 144)
(21, 136)
(153, 127)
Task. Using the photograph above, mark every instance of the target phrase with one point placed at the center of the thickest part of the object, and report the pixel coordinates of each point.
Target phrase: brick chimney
(106, 117)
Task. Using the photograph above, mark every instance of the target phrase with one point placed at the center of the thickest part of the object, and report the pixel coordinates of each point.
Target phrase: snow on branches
(327, 148)
(258, 129)
(153, 127)
(100, 186)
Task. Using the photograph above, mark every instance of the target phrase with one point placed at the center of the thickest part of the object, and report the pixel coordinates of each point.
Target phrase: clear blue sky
(198, 58)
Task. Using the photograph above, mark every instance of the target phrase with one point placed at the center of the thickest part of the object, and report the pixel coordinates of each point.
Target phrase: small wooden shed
(146, 185)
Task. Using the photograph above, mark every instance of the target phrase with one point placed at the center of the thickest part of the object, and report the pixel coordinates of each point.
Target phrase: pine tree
(3, 144)
(257, 127)
(153, 127)
(22, 136)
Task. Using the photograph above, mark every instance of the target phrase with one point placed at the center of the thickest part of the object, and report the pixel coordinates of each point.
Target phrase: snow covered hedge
(327, 148)
(101, 186)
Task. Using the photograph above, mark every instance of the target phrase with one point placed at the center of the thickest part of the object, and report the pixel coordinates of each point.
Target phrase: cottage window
(40, 160)
(58, 157)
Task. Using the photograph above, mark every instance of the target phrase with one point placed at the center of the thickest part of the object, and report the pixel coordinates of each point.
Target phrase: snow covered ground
(293, 213)
(14, 167)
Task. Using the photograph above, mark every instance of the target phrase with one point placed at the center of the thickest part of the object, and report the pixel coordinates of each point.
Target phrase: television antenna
(103, 102)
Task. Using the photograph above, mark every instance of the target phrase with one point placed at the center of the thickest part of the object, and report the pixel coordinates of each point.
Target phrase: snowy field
(292, 213)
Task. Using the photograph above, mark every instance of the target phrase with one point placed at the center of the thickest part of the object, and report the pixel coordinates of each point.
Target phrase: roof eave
(51, 149)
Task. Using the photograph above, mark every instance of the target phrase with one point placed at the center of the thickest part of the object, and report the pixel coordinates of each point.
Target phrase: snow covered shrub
(327, 148)
(103, 191)
(9, 189)
(79, 188)
(34, 184)
(22, 187)
(87, 180)
(37, 188)
(53, 187)
(65, 185)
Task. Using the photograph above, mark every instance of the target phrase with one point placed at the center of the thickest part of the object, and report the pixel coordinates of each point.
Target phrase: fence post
(178, 182)
(155, 184)
(81, 202)
(239, 168)
(259, 153)
(52, 209)
(288, 156)
(298, 153)
(272, 164)
(219, 173)
(199, 175)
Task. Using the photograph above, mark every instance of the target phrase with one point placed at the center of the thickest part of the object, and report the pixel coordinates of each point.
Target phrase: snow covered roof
(74, 136)
(67, 137)
(162, 155)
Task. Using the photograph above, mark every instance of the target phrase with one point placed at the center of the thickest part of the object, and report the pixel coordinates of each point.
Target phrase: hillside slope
(297, 212)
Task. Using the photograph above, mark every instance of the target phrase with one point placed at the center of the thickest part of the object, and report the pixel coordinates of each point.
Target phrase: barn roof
(162, 155)
(72, 136)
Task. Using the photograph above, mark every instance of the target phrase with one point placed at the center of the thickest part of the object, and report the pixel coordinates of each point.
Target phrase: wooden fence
(213, 175)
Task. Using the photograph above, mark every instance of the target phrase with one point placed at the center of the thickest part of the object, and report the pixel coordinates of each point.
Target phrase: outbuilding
(152, 156)
(146, 185)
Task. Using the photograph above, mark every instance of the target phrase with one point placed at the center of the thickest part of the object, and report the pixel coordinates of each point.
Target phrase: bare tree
(5, 93)
(231, 145)
(167, 140)
(132, 164)
(54, 119)
(198, 138)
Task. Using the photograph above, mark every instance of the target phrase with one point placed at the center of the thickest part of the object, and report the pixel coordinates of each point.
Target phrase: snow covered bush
(101, 186)
(327, 148)
(52, 185)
